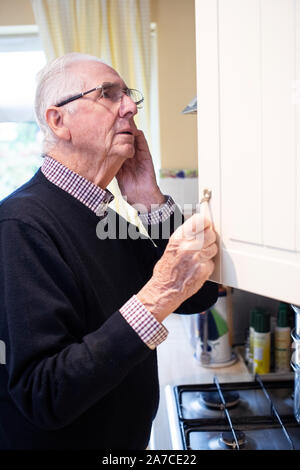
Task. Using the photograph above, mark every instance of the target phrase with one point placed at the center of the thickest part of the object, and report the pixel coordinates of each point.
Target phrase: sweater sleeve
(54, 373)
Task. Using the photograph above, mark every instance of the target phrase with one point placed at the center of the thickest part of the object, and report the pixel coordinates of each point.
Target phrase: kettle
(213, 346)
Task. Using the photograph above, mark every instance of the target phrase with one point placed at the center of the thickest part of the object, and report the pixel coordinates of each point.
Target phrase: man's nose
(127, 106)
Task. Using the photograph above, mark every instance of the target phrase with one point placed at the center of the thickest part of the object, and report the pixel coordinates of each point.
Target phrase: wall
(177, 73)
(16, 12)
(177, 81)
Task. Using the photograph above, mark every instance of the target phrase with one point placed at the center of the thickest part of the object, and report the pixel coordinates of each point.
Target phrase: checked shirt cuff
(159, 214)
(150, 330)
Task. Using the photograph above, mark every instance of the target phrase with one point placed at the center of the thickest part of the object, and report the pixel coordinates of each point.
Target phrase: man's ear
(54, 118)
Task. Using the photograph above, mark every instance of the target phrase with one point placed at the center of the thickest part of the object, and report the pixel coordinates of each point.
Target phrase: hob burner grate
(227, 439)
(213, 400)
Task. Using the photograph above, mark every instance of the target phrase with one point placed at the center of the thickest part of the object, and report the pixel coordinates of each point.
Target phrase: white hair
(55, 83)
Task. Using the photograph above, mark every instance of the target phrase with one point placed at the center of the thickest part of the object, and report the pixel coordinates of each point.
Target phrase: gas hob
(233, 416)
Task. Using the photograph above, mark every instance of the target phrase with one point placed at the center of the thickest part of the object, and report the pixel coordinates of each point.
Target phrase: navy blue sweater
(77, 376)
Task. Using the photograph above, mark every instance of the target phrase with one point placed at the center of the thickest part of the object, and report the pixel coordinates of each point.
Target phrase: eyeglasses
(111, 91)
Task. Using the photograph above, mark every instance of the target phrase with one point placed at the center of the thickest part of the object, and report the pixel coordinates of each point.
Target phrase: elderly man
(81, 315)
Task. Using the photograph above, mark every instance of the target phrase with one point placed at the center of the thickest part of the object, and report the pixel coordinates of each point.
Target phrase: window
(21, 57)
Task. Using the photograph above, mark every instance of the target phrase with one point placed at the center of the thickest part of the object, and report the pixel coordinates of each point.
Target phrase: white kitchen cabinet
(248, 89)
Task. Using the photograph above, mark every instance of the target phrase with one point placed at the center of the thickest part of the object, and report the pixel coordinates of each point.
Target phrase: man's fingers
(141, 142)
(209, 237)
(209, 252)
(196, 244)
(205, 211)
(195, 234)
(135, 129)
(194, 226)
(208, 267)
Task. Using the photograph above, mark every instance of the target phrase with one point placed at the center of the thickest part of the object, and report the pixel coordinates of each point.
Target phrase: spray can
(251, 337)
(282, 340)
(262, 343)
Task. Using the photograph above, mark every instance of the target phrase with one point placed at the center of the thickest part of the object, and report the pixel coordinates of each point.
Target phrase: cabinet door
(248, 89)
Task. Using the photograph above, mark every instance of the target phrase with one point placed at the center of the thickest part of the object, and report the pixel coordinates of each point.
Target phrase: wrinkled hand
(136, 177)
(182, 270)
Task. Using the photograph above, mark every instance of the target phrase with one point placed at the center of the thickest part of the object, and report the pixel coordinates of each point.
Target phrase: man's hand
(182, 270)
(136, 177)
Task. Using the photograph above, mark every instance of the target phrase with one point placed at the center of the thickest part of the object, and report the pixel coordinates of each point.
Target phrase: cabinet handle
(206, 195)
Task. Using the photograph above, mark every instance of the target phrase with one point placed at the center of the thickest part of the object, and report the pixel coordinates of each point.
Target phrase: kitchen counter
(177, 365)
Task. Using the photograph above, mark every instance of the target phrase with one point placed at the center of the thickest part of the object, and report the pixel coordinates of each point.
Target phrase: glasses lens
(114, 93)
(111, 91)
(136, 96)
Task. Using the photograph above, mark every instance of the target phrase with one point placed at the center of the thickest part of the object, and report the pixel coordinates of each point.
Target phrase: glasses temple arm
(76, 97)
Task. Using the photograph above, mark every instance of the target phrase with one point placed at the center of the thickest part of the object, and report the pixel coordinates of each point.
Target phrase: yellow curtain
(117, 31)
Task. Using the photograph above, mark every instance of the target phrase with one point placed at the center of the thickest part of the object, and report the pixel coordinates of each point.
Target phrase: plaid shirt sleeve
(159, 213)
(150, 330)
